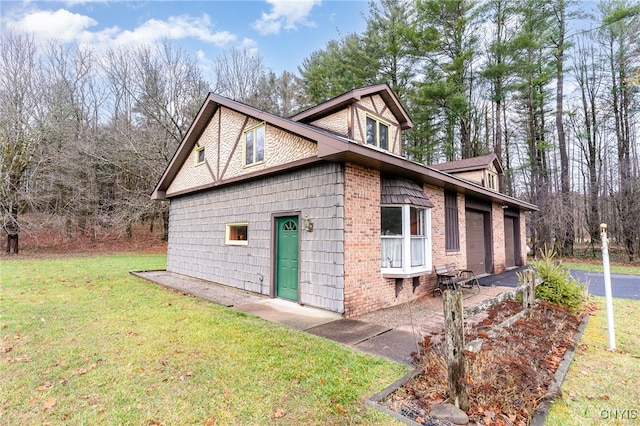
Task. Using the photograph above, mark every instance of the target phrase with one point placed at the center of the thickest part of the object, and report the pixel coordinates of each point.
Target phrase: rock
(449, 413)
(474, 346)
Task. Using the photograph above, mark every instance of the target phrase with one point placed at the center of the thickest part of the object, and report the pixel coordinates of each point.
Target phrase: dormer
(370, 116)
(484, 170)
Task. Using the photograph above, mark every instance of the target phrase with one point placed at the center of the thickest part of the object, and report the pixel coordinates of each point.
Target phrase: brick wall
(365, 288)
(440, 254)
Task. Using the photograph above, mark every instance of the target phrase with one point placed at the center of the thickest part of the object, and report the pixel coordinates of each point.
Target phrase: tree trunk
(12, 229)
(566, 223)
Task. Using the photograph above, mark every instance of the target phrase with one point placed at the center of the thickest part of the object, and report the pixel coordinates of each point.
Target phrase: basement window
(237, 234)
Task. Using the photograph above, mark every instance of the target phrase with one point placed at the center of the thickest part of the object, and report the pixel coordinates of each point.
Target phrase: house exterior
(322, 209)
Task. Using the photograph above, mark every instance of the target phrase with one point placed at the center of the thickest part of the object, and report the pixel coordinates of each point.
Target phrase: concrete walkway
(393, 333)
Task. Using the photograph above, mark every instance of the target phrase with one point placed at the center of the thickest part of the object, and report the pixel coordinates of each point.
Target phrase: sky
(283, 32)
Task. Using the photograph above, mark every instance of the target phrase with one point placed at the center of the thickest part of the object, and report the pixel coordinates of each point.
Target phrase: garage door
(509, 242)
(475, 241)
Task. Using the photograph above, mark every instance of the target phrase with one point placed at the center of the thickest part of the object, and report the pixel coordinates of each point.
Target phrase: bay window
(405, 239)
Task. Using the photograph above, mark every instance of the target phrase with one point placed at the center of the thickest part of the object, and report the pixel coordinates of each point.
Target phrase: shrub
(558, 286)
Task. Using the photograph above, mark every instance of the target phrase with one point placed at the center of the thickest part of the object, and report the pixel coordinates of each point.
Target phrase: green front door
(287, 258)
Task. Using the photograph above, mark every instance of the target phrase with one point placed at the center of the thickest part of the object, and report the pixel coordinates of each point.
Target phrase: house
(484, 170)
(322, 209)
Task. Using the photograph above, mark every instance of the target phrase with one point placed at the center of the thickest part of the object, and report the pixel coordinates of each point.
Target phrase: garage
(476, 243)
(511, 240)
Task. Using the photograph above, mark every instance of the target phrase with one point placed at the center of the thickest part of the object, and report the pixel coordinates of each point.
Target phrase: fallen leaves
(49, 404)
(508, 378)
(279, 413)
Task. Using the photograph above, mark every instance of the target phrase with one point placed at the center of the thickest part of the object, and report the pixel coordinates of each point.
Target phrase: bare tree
(238, 73)
(21, 131)
(156, 93)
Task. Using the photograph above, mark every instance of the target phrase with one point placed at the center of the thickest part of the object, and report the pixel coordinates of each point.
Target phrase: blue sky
(284, 32)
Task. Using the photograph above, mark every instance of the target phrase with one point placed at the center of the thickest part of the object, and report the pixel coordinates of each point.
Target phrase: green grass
(85, 343)
(597, 267)
(602, 384)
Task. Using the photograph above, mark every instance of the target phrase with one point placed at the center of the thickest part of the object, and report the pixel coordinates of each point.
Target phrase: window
(493, 181)
(200, 155)
(451, 230)
(237, 234)
(254, 145)
(377, 133)
(405, 232)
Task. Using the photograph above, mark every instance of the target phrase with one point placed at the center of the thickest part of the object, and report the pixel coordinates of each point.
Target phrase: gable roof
(331, 147)
(353, 96)
(469, 164)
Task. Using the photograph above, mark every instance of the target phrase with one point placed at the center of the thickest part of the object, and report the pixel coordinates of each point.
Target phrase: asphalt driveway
(622, 286)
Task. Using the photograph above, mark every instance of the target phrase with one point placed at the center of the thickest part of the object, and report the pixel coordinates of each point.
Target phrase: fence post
(529, 293)
(454, 347)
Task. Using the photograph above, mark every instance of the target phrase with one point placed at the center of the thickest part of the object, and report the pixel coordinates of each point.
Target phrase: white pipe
(607, 286)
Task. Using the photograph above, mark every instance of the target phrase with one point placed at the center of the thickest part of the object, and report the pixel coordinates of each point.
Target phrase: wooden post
(529, 295)
(454, 348)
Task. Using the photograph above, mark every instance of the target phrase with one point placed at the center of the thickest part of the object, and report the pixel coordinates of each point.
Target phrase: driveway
(622, 286)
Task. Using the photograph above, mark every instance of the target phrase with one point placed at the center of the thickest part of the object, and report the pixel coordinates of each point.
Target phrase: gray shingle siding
(198, 222)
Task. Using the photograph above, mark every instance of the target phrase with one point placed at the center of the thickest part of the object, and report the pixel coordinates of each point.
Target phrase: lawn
(598, 267)
(602, 386)
(83, 342)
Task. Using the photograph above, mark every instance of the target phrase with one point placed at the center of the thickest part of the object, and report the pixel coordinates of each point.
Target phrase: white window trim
(378, 123)
(244, 144)
(406, 268)
(197, 152)
(229, 241)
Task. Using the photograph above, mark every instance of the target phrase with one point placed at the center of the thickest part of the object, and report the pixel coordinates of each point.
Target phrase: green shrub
(558, 286)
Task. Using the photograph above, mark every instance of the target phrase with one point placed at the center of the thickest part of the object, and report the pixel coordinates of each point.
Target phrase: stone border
(540, 414)
(374, 400)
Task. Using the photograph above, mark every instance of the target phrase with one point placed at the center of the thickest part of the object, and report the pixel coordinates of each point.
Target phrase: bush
(558, 286)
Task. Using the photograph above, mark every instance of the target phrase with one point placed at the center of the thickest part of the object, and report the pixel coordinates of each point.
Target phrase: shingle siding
(198, 221)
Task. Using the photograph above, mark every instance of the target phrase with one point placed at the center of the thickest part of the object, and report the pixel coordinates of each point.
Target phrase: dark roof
(469, 164)
(403, 191)
(353, 96)
(331, 147)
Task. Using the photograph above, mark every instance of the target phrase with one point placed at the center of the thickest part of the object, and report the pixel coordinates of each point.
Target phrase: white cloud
(61, 24)
(176, 28)
(287, 14)
(68, 27)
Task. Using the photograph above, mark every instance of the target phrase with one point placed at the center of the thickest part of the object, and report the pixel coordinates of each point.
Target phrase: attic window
(200, 155)
(377, 133)
(254, 145)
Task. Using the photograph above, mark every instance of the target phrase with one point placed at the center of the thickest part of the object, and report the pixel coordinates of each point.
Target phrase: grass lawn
(597, 267)
(83, 342)
(602, 386)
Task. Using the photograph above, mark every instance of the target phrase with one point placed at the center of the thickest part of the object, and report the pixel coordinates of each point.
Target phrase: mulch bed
(507, 379)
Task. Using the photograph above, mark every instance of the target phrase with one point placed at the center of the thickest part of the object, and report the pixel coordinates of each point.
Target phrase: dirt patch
(507, 379)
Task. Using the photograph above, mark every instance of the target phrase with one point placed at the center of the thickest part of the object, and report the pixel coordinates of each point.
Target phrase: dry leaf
(341, 408)
(279, 413)
(49, 404)
(210, 421)
(323, 382)
(79, 372)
